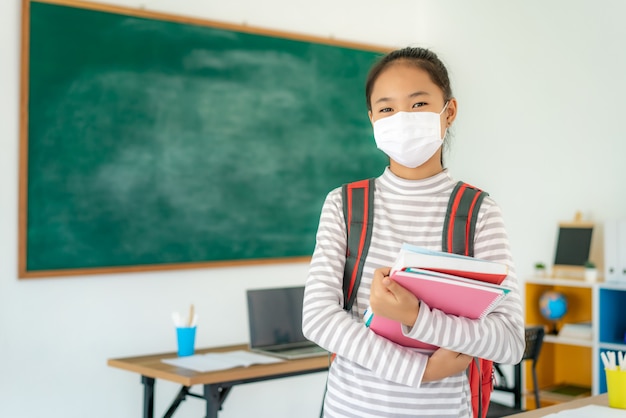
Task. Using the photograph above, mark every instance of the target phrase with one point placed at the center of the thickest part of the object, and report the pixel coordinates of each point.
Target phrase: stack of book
(455, 284)
(577, 330)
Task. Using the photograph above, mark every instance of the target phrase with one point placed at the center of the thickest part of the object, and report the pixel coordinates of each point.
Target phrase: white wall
(540, 87)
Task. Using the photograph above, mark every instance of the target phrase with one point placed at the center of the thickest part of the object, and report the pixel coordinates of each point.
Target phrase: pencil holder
(186, 337)
(616, 385)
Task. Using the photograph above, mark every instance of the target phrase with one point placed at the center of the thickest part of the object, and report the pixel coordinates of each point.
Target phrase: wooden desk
(592, 400)
(217, 384)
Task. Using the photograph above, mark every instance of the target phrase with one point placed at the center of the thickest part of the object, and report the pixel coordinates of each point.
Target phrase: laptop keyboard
(303, 350)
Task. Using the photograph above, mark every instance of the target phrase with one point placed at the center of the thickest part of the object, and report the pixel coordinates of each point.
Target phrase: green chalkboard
(154, 142)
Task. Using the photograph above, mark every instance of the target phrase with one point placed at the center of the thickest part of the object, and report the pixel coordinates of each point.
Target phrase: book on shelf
(564, 392)
(442, 262)
(458, 295)
(577, 330)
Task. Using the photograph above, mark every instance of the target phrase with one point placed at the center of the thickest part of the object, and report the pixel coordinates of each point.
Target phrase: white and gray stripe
(371, 376)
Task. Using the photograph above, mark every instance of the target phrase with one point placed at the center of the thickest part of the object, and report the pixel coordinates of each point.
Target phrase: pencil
(191, 309)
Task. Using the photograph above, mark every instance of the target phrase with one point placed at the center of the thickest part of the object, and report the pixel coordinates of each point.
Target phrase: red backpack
(458, 238)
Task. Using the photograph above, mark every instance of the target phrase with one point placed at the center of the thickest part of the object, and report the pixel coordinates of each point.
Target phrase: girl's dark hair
(421, 58)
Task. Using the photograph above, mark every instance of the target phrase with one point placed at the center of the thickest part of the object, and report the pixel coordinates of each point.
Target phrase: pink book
(452, 295)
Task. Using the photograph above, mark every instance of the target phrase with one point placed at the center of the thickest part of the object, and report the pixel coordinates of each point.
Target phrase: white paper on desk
(220, 361)
(590, 411)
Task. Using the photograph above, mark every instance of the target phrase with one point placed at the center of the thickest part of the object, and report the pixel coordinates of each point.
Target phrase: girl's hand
(389, 299)
(444, 363)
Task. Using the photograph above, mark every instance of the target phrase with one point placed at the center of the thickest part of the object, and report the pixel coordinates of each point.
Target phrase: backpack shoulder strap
(358, 211)
(480, 376)
(458, 237)
(460, 222)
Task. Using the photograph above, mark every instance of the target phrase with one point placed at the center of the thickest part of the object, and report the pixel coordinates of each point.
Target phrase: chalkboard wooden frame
(29, 175)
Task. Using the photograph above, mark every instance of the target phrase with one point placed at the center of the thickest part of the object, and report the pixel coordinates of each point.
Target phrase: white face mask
(409, 138)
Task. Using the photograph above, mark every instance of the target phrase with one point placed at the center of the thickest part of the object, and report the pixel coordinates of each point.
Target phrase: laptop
(275, 323)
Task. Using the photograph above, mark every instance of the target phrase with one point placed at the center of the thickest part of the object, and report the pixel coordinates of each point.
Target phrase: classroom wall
(540, 88)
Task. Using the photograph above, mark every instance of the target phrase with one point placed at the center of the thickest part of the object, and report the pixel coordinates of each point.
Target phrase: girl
(411, 107)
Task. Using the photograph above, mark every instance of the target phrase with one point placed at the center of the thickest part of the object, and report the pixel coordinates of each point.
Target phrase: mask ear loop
(443, 110)
(444, 107)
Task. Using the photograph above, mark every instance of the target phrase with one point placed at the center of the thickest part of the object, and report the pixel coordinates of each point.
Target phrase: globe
(553, 305)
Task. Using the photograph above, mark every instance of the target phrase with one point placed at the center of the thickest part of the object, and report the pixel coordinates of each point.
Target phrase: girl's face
(404, 87)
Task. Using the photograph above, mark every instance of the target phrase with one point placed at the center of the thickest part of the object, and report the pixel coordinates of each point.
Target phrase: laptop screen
(275, 316)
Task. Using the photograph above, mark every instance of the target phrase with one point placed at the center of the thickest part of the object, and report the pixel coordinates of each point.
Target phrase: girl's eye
(419, 104)
(385, 110)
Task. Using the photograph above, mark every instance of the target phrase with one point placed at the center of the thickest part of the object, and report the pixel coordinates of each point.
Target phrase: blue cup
(186, 337)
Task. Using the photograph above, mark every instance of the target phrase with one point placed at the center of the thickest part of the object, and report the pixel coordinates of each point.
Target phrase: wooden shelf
(555, 339)
(564, 392)
(560, 281)
(579, 300)
(559, 354)
(572, 360)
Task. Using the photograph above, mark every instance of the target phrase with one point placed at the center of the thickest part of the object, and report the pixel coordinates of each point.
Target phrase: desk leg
(148, 396)
(214, 396)
(184, 391)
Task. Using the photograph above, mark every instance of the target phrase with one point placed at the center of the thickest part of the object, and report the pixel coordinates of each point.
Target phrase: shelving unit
(611, 323)
(569, 360)
(562, 360)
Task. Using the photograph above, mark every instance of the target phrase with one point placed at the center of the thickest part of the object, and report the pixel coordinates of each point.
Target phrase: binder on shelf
(615, 251)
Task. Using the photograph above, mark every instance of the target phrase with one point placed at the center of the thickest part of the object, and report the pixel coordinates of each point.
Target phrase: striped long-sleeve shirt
(371, 376)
